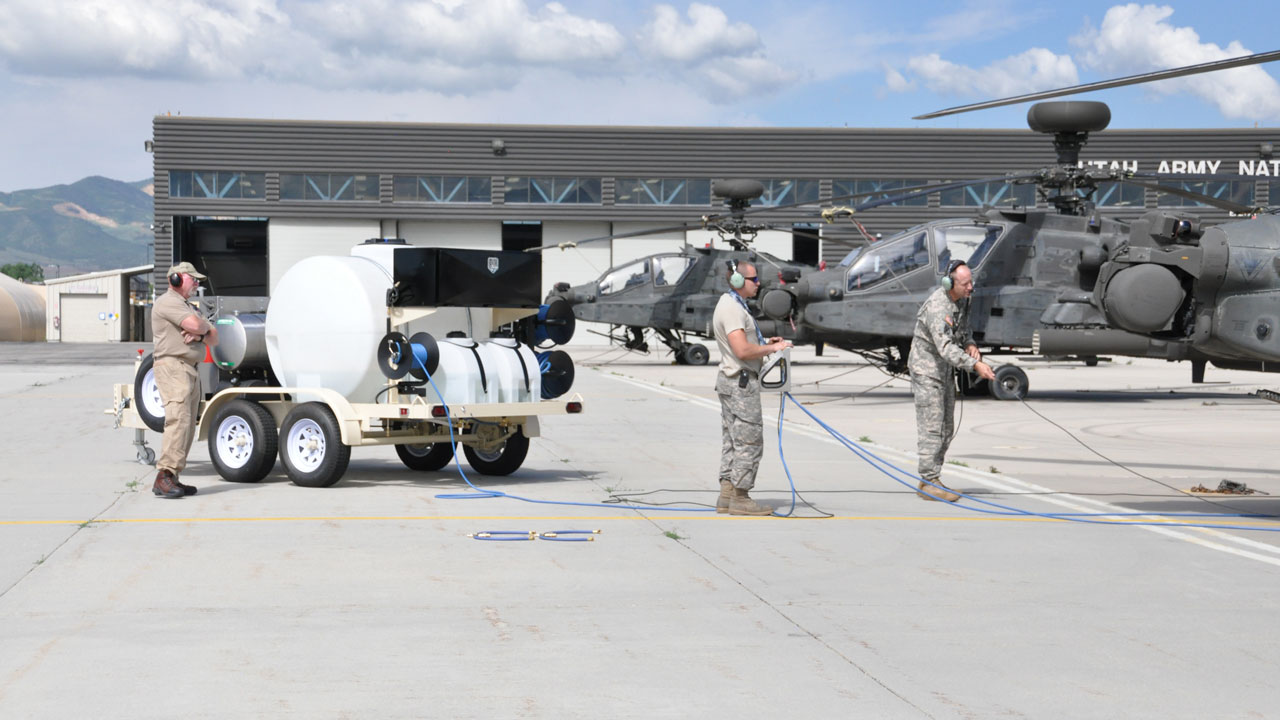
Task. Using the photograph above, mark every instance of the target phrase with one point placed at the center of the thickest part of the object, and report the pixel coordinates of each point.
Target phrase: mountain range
(94, 224)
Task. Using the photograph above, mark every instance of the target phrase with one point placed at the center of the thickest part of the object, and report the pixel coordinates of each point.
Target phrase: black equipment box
(450, 277)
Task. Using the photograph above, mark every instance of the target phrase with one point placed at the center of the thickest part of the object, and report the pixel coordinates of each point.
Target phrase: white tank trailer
(392, 345)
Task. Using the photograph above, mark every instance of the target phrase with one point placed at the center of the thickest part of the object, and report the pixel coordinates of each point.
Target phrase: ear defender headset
(175, 280)
(948, 281)
(736, 281)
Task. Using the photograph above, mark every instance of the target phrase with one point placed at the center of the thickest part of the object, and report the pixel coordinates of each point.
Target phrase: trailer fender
(348, 422)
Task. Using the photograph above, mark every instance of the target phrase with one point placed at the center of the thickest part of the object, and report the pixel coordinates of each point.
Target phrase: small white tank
(458, 374)
(514, 368)
(323, 325)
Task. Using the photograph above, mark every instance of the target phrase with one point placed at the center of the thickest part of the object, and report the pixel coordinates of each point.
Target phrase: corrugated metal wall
(387, 149)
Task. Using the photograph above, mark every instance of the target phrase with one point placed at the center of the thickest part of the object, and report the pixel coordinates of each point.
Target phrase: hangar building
(244, 200)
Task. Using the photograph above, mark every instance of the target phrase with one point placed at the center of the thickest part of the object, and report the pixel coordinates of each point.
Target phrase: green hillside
(94, 224)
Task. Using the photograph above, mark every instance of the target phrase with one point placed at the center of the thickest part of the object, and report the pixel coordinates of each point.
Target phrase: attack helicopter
(1171, 287)
(1042, 274)
(675, 294)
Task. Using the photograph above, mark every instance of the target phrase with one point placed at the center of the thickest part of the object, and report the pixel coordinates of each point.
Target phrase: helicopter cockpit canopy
(662, 270)
(910, 250)
(968, 242)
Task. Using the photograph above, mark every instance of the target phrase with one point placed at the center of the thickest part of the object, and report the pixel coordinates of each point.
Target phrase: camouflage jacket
(941, 336)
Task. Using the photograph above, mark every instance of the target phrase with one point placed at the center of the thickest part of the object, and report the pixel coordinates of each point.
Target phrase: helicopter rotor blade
(1209, 200)
(917, 192)
(617, 236)
(1254, 59)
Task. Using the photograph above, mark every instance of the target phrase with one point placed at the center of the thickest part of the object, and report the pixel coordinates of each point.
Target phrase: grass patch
(994, 470)
(673, 535)
(958, 462)
(864, 438)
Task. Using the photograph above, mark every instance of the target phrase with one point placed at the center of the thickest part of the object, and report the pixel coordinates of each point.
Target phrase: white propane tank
(510, 364)
(323, 325)
(458, 378)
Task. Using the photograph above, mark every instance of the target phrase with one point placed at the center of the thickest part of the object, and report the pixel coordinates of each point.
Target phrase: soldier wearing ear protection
(181, 335)
(942, 343)
(738, 386)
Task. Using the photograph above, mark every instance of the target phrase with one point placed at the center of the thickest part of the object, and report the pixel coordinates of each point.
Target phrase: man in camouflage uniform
(738, 384)
(942, 341)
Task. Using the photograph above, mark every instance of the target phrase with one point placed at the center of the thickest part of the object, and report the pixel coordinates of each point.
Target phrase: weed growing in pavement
(673, 535)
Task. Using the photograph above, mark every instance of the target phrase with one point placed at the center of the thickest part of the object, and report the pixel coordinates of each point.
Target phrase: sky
(81, 80)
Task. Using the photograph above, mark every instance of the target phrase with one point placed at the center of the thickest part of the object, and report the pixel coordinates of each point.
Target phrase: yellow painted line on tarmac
(579, 518)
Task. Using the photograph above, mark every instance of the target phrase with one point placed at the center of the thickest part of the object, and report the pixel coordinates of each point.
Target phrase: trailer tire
(426, 457)
(503, 461)
(243, 441)
(311, 446)
(146, 395)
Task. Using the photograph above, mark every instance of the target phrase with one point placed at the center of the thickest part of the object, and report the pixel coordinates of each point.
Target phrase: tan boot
(742, 504)
(726, 494)
(929, 492)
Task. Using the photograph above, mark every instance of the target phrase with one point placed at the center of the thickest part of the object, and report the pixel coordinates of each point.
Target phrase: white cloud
(1029, 71)
(707, 34)
(726, 59)
(388, 44)
(896, 81)
(1134, 38)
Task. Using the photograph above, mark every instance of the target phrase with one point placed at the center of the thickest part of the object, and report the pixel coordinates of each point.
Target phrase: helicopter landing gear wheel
(1011, 383)
(695, 354)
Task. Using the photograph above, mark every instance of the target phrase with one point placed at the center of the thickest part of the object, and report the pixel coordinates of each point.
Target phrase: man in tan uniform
(738, 386)
(181, 335)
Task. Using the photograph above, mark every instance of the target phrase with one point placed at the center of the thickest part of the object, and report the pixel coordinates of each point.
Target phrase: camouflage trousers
(741, 430)
(935, 421)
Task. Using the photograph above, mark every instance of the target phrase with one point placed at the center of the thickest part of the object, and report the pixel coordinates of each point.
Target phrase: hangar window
(996, 194)
(627, 276)
(888, 261)
(662, 191)
(881, 188)
(441, 188)
(553, 190)
(1116, 194)
(1234, 190)
(332, 187)
(787, 191)
(219, 184)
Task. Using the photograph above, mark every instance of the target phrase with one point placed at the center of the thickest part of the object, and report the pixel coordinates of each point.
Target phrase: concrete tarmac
(368, 599)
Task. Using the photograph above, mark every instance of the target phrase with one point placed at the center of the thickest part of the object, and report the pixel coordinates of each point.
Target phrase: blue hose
(881, 464)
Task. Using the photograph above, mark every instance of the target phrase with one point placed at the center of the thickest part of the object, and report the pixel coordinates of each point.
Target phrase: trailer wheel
(502, 460)
(243, 441)
(428, 457)
(1010, 384)
(146, 395)
(311, 446)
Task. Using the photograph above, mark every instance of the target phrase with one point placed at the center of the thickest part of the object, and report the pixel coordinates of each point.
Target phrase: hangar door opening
(231, 251)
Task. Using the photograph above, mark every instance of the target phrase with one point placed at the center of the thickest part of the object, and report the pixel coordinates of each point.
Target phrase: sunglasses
(754, 278)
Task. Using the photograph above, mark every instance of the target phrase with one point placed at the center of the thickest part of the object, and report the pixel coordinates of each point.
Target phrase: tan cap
(188, 268)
